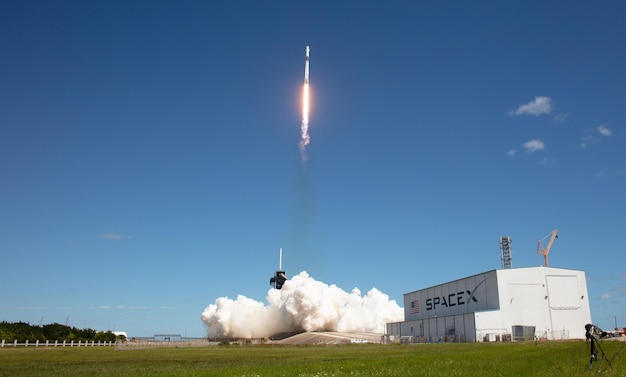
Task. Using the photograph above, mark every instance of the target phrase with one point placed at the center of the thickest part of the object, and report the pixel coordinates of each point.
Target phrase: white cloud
(591, 139)
(604, 130)
(615, 292)
(560, 117)
(511, 153)
(534, 145)
(111, 236)
(586, 140)
(547, 162)
(541, 105)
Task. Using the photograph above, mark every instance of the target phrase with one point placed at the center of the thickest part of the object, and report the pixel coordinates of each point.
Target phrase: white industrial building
(506, 304)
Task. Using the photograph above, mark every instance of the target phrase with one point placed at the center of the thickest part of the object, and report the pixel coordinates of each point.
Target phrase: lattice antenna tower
(505, 251)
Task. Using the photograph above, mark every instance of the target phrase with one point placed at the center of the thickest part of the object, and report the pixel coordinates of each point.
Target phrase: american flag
(415, 306)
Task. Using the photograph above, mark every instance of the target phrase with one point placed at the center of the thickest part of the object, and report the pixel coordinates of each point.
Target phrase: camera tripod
(593, 352)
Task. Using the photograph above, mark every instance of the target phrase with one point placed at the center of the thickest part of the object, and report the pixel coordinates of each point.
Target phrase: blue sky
(149, 151)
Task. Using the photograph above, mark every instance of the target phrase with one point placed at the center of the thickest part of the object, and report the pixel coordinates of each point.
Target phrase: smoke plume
(303, 304)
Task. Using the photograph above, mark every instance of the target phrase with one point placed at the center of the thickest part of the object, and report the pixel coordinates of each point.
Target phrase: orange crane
(545, 250)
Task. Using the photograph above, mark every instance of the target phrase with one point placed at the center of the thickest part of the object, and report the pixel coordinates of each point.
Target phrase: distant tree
(104, 336)
(56, 331)
(84, 334)
(6, 332)
(22, 331)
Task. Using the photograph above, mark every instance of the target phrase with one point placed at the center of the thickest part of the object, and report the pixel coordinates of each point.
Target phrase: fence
(56, 343)
(141, 344)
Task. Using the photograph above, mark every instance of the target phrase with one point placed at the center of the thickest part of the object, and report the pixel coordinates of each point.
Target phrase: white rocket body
(306, 65)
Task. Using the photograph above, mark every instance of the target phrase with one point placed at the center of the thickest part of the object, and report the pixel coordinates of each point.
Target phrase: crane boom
(545, 250)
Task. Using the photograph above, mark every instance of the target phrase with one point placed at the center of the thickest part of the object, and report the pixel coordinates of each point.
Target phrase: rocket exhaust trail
(305, 139)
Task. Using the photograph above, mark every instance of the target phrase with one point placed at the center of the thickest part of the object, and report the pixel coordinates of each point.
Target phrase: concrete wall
(553, 300)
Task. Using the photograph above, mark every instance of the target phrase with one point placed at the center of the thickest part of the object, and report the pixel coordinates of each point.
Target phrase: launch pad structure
(280, 277)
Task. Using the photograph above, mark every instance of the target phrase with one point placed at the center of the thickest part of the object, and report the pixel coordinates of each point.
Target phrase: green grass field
(478, 359)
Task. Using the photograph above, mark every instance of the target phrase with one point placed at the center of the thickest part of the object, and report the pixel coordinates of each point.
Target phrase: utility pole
(615, 318)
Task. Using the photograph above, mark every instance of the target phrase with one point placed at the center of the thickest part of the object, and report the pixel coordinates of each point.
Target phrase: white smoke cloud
(303, 304)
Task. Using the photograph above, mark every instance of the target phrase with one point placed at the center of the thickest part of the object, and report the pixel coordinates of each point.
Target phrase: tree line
(23, 331)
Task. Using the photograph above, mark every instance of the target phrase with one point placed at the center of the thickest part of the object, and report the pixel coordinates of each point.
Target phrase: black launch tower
(279, 277)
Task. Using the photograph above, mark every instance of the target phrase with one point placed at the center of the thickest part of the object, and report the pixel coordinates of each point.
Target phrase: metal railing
(56, 343)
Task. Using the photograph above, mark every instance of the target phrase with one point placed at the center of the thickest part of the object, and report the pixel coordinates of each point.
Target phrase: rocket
(306, 65)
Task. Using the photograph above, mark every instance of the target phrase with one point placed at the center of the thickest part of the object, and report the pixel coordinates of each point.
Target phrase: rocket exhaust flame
(305, 139)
